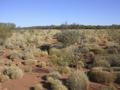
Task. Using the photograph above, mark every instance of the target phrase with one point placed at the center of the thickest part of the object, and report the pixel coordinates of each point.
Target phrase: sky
(47, 12)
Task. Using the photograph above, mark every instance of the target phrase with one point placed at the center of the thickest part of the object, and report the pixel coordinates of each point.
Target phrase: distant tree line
(6, 31)
(73, 26)
(7, 26)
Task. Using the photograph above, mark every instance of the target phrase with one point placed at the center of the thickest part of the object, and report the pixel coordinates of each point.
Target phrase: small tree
(68, 37)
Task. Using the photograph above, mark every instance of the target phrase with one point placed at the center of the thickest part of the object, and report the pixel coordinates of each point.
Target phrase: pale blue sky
(47, 12)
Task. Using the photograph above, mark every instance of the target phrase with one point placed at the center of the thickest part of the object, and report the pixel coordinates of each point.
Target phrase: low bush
(9, 63)
(64, 70)
(14, 72)
(36, 52)
(77, 58)
(68, 37)
(84, 50)
(55, 75)
(27, 69)
(80, 64)
(62, 57)
(100, 76)
(41, 64)
(101, 63)
(59, 61)
(38, 87)
(30, 62)
(69, 56)
(14, 56)
(27, 55)
(56, 84)
(3, 78)
(95, 48)
(114, 60)
(55, 51)
(2, 69)
(78, 81)
(43, 53)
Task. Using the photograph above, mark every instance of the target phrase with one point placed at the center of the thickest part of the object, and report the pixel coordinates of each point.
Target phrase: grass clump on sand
(56, 84)
(14, 72)
(78, 81)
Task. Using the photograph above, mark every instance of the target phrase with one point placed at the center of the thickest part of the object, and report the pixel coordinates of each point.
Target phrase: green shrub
(67, 56)
(114, 60)
(64, 70)
(39, 53)
(77, 57)
(27, 69)
(97, 75)
(68, 37)
(114, 34)
(55, 75)
(30, 62)
(2, 69)
(9, 63)
(14, 72)
(38, 87)
(78, 81)
(42, 64)
(84, 50)
(101, 63)
(55, 51)
(43, 53)
(28, 55)
(56, 84)
(14, 56)
(62, 57)
(3, 78)
(95, 48)
(80, 64)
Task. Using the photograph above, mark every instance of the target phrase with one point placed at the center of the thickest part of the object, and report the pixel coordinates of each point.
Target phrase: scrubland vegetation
(73, 58)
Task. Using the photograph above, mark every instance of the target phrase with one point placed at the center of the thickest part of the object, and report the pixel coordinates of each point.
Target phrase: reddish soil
(22, 84)
(30, 79)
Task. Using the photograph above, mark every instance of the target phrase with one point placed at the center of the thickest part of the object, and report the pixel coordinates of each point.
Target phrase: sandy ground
(30, 79)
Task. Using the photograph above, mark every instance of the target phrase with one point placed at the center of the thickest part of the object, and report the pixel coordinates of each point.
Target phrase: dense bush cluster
(73, 26)
(68, 37)
(14, 72)
(68, 54)
(10, 72)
